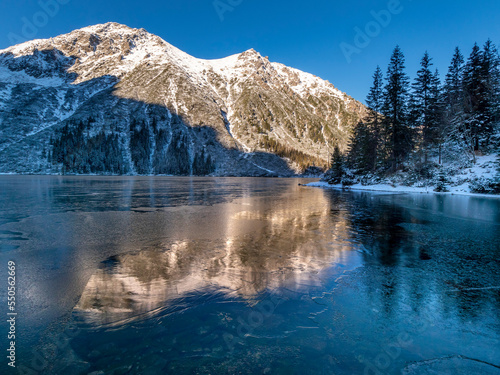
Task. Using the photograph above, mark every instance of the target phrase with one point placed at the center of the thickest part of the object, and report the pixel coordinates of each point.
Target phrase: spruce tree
(424, 108)
(336, 171)
(375, 97)
(375, 101)
(360, 155)
(437, 114)
(491, 81)
(395, 110)
(474, 99)
(453, 97)
(363, 145)
(453, 81)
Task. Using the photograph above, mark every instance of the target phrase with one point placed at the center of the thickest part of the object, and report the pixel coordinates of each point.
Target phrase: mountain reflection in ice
(288, 247)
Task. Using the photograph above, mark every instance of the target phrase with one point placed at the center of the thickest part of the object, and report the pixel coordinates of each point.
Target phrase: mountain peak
(251, 53)
(108, 25)
(111, 27)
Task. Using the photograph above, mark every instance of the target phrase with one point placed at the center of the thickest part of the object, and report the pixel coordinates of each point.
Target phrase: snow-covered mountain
(112, 99)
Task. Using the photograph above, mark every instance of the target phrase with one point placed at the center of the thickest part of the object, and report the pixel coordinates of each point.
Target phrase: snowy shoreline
(456, 190)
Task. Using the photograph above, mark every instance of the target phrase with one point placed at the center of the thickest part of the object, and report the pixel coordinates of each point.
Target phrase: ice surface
(165, 274)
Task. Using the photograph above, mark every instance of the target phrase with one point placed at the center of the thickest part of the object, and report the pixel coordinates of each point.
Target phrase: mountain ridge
(254, 105)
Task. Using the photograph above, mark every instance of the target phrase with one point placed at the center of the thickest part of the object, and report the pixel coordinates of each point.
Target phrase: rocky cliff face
(112, 99)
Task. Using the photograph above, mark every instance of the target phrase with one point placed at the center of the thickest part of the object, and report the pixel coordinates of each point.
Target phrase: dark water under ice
(248, 276)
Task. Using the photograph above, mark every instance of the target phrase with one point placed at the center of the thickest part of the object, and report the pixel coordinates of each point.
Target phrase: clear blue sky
(304, 34)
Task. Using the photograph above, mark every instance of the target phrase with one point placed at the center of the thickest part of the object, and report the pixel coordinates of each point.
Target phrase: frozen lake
(138, 275)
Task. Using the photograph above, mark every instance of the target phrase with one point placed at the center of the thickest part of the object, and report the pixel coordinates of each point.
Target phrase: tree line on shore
(414, 125)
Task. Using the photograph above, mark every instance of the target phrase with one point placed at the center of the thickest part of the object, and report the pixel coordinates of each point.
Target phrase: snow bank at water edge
(455, 190)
